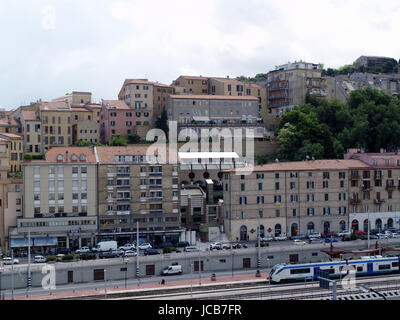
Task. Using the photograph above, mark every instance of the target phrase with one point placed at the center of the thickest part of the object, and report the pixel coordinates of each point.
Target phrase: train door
(370, 267)
(316, 272)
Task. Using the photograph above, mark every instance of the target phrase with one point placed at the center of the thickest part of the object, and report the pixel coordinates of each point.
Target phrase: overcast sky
(51, 47)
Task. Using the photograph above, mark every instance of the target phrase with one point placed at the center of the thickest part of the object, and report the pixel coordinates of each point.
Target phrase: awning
(35, 242)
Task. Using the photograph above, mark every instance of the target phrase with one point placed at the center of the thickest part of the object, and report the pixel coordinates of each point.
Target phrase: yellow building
(15, 150)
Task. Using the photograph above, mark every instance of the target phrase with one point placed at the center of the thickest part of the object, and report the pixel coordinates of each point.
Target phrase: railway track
(264, 291)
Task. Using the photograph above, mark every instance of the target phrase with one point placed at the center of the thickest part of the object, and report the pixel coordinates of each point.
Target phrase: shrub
(27, 157)
(169, 249)
(68, 257)
(51, 258)
(262, 244)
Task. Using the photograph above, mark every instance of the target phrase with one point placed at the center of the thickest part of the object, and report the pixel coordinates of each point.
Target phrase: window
(326, 175)
(276, 185)
(325, 184)
(260, 186)
(243, 200)
(276, 175)
(242, 187)
(277, 199)
(294, 212)
(293, 185)
(299, 271)
(310, 184)
(260, 199)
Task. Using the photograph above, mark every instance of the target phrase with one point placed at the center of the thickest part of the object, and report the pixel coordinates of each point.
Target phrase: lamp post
(199, 263)
(258, 245)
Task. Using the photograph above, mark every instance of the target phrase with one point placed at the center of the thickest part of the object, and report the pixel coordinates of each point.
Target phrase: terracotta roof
(93, 105)
(54, 106)
(108, 153)
(8, 121)
(79, 109)
(309, 165)
(118, 104)
(29, 115)
(52, 153)
(210, 97)
(193, 77)
(144, 81)
(10, 135)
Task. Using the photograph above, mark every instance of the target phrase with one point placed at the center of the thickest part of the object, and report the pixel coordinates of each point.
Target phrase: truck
(105, 246)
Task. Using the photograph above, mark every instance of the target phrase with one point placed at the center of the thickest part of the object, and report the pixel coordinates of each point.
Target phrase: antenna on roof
(276, 160)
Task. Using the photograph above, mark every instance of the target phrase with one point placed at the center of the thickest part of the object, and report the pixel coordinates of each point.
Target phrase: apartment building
(147, 100)
(59, 200)
(55, 124)
(116, 118)
(375, 191)
(76, 98)
(216, 112)
(288, 85)
(289, 198)
(133, 190)
(191, 85)
(85, 127)
(15, 150)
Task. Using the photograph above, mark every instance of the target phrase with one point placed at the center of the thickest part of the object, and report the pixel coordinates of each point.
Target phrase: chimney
(66, 155)
(227, 77)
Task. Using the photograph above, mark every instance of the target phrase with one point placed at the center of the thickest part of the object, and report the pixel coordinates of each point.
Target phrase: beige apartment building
(191, 85)
(85, 125)
(289, 198)
(76, 98)
(60, 200)
(146, 99)
(133, 190)
(15, 150)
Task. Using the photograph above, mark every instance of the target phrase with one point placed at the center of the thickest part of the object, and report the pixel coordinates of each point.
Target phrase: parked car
(329, 235)
(39, 259)
(145, 246)
(314, 235)
(359, 233)
(344, 233)
(182, 244)
(298, 242)
(127, 246)
(108, 254)
(236, 246)
(83, 250)
(216, 245)
(266, 239)
(130, 253)
(300, 236)
(64, 251)
(382, 236)
(226, 246)
(315, 240)
(281, 237)
(395, 235)
(192, 249)
(165, 244)
(389, 234)
(151, 252)
(329, 240)
(9, 260)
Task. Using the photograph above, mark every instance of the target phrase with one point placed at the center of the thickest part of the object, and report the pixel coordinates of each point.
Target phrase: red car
(359, 233)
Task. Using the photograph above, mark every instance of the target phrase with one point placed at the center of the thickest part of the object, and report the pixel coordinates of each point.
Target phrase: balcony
(156, 199)
(123, 213)
(379, 201)
(155, 174)
(156, 186)
(123, 199)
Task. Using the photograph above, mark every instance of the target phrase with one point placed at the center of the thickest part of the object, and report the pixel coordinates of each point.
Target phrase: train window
(395, 264)
(360, 268)
(270, 257)
(329, 270)
(314, 254)
(384, 267)
(297, 271)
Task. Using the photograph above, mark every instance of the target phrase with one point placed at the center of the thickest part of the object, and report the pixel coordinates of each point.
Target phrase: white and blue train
(365, 266)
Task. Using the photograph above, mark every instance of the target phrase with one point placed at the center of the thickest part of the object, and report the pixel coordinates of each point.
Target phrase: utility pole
(199, 263)
(137, 251)
(258, 245)
(368, 230)
(12, 274)
(29, 261)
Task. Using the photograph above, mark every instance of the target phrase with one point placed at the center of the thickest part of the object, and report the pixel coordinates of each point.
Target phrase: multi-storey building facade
(374, 191)
(208, 112)
(76, 98)
(84, 125)
(290, 198)
(116, 118)
(133, 190)
(191, 85)
(288, 85)
(146, 99)
(15, 150)
(60, 199)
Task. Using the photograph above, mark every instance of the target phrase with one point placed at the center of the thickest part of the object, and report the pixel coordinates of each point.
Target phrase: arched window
(354, 225)
(243, 233)
(378, 224)
(82, 157)
(74, 157)
(390, 223)
(294, 229)
(278, 230)
(327, 227)
(310, 228)
(60, 157)
(365, 224)
(262, 231)
(342, 225)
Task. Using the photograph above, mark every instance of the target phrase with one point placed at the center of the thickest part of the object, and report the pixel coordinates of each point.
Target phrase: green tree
(117, 140)
(133, 138)
(162, 122)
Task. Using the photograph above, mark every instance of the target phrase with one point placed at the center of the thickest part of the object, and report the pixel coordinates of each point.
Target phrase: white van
(176, 269)
(192, 249)
(105, 246)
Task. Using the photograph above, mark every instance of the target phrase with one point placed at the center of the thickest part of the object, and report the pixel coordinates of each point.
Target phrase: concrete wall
(212, 261)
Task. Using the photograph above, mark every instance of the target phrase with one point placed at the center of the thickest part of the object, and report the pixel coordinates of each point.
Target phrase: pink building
(115, 118)
(382, 159)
